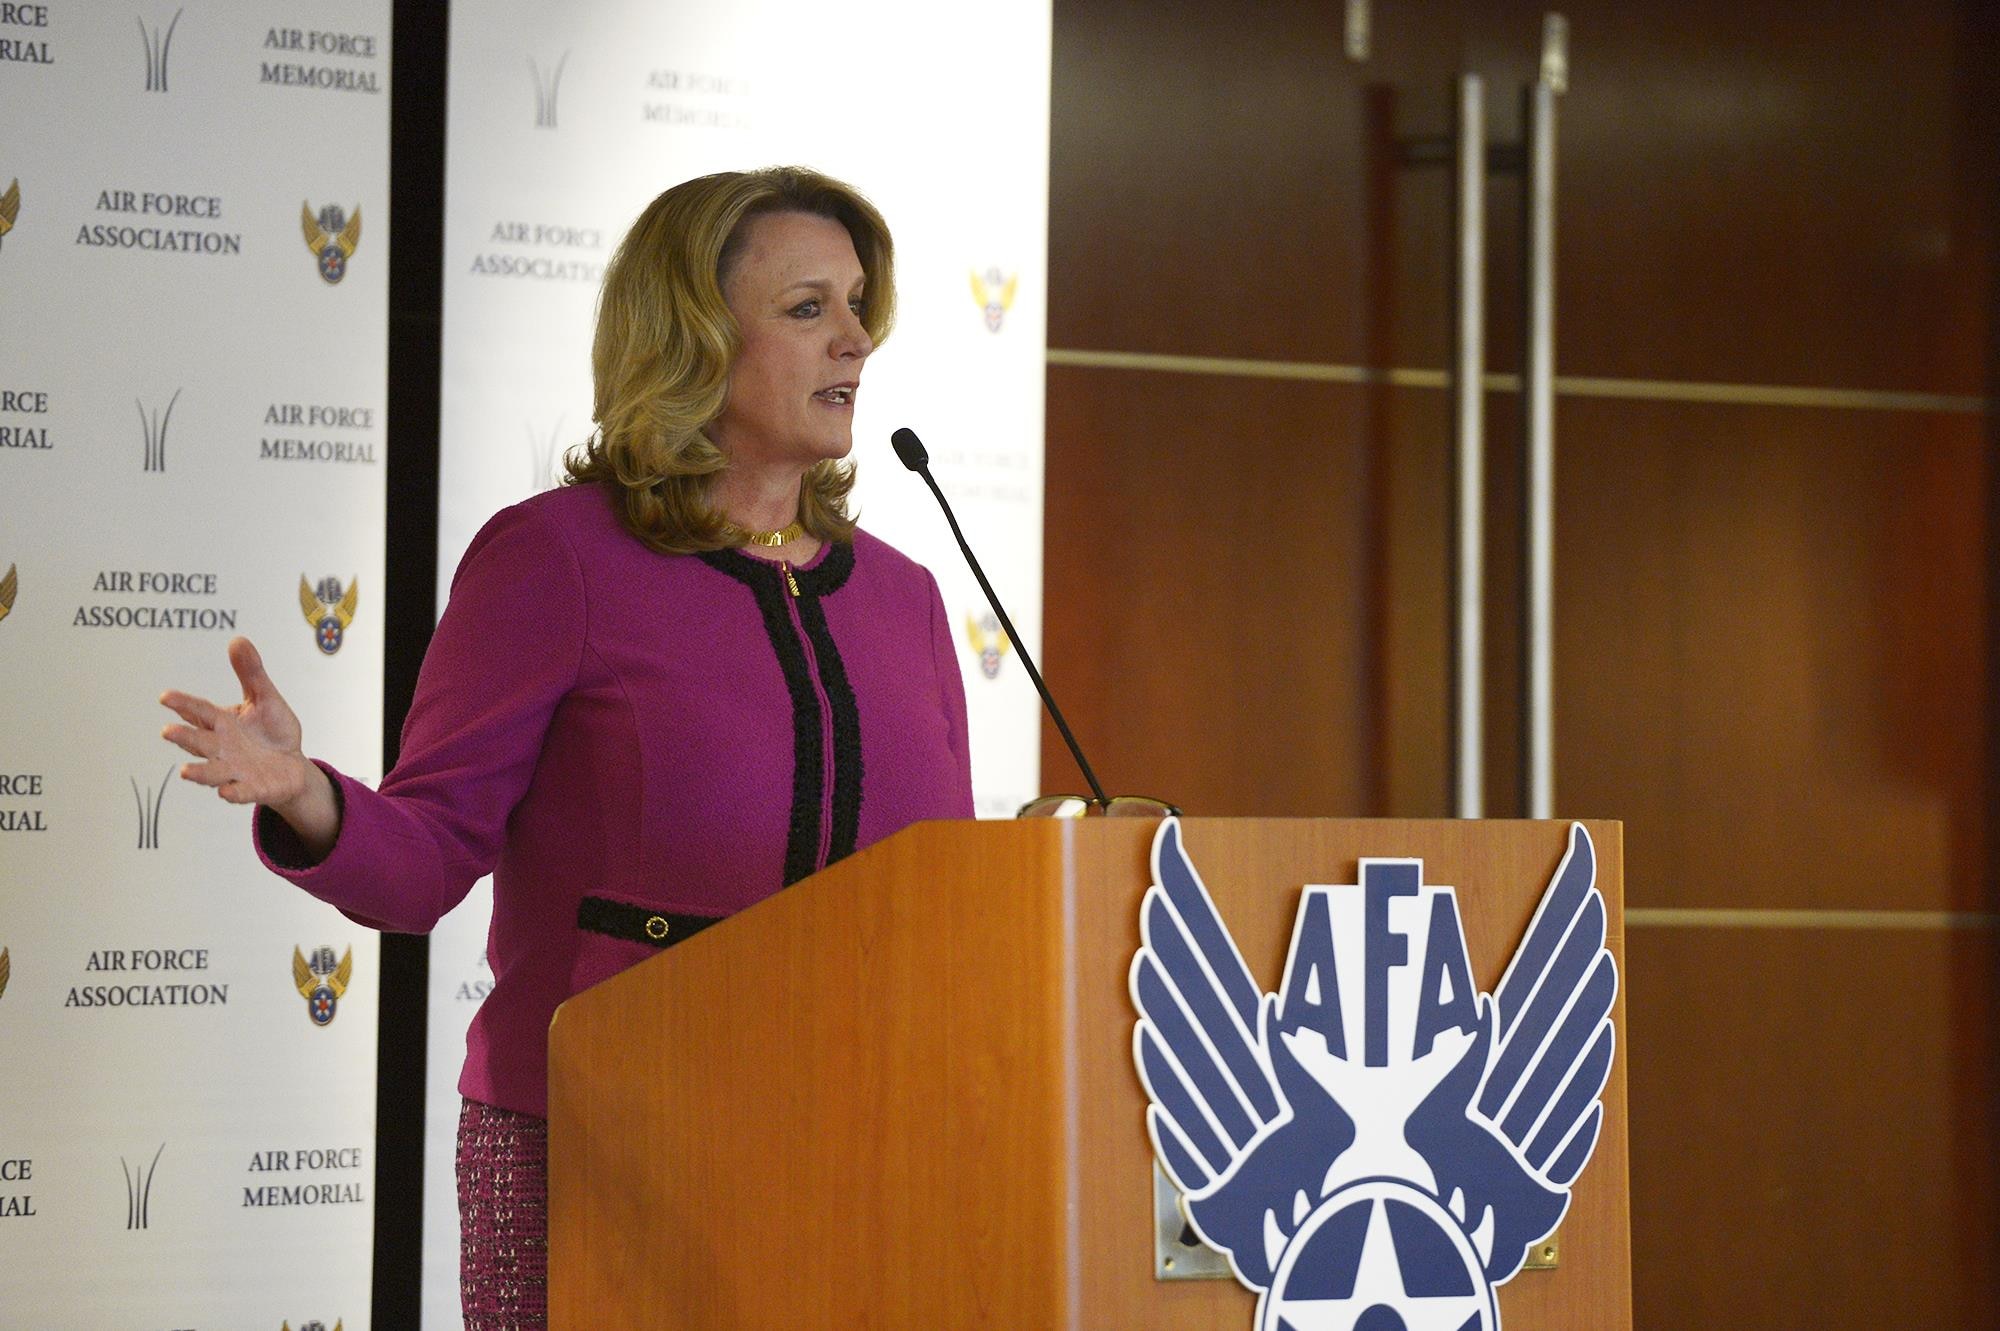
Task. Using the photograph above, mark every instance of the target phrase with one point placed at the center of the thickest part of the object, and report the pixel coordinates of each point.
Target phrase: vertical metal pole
(1469, 769)
(1538, 399)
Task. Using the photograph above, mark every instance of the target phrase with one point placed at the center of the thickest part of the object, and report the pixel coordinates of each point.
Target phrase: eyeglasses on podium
(1079, 806)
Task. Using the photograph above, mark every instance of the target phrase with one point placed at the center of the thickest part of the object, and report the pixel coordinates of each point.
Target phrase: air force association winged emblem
(994, 294)
(10, 207)
(988, 642)
(329, 610)
(1377, 1144)
(332, 237)
(322, 983)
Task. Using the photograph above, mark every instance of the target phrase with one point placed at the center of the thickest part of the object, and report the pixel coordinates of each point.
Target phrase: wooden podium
(901, 1094)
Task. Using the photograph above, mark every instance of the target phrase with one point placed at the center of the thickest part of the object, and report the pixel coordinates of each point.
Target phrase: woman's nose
(851, 339)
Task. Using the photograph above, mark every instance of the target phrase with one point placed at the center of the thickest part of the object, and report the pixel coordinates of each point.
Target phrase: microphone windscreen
(910, 449)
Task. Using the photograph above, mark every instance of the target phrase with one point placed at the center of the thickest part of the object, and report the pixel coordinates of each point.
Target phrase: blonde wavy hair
(666, 341)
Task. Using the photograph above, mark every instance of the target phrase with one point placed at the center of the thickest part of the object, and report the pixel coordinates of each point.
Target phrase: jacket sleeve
(951, 688)
(506, 651)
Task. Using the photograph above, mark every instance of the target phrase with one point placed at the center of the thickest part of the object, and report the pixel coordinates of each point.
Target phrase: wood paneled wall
(1775, 651)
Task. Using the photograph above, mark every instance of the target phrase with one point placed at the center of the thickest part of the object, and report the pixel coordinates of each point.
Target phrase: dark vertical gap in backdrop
(1978, 56)
(416, 299)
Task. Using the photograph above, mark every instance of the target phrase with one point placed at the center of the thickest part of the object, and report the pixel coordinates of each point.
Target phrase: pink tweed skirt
(503, 1219)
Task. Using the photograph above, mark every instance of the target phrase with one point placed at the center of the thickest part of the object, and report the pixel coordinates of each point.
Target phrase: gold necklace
(782, 536)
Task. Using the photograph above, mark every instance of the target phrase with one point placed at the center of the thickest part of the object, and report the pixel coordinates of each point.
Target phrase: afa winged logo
(320, 982)
(994, 295)
(332, 237)
(314, 1325)
(1378, 1143)
(329, 610)
(10, 208)
(988, 642)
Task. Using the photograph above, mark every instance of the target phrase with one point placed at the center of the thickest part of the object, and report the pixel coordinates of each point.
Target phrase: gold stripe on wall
(1642, 390)
(1309, 371)
(1717, 918)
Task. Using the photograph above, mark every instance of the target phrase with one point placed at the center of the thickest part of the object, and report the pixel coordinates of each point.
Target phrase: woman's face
(796, 292)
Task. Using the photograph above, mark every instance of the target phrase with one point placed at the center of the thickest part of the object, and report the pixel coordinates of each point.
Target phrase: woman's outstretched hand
(252, 752)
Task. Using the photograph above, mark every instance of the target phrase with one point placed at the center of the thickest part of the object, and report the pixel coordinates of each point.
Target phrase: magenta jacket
(624, 739)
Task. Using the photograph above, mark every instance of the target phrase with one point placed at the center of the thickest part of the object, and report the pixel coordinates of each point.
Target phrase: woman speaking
(659, 693)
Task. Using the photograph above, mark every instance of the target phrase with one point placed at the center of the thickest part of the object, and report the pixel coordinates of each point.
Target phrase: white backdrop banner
(564, 121)
(193, 259)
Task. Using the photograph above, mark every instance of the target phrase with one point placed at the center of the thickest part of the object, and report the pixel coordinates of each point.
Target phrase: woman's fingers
(195, 711)
(233, 789)
(233, 782)
(206, 774)
(249, 666)
(250, 748)
(198, 737)
(263, 710)
(201, 743)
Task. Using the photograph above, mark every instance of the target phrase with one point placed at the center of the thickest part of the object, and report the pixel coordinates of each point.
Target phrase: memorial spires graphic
(548, 87)
(149, 810)
(543, 454)
(159, 46)
(139, 1190)
(154, 427)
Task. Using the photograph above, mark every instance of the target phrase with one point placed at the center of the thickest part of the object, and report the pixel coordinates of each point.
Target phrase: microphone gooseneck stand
(918, 459)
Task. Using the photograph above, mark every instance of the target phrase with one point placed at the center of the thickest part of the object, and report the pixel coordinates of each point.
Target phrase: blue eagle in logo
(1377, 1145)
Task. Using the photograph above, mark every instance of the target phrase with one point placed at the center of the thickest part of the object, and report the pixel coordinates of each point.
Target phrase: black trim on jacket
(846, 730)
(766, 581)
(639, 924)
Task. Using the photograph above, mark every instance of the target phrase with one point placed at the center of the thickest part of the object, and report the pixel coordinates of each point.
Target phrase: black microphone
(911, 450)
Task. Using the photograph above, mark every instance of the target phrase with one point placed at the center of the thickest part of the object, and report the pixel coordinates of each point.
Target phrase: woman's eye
(806, 310)
(859, 306)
